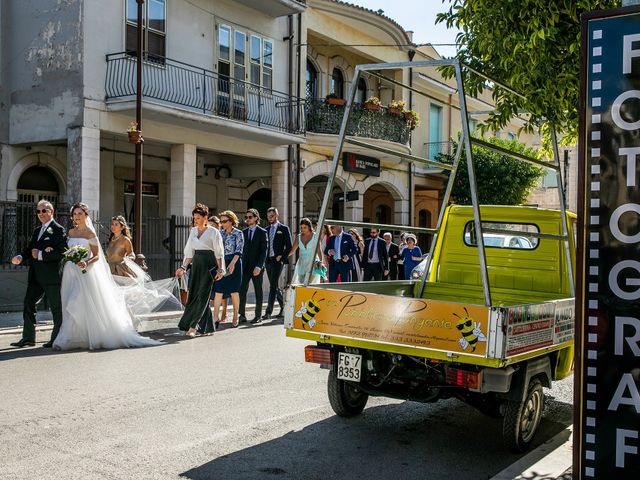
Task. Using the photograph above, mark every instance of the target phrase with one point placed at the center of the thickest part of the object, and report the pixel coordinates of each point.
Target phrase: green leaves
(500, 179)
(533, 46)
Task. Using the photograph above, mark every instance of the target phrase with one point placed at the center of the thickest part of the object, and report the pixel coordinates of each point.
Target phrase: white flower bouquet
(76, 254)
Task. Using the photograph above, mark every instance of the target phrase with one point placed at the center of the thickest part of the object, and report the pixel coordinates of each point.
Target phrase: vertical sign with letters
(607, 417)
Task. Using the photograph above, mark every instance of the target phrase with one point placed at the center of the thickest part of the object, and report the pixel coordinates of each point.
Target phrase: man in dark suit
(279, 248)
(43, 254)
(340, 248)
(393, 252)
(254, 255)
(375, 260)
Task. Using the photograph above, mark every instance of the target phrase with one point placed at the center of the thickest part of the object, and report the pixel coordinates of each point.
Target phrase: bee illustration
(308, 310)
(470, 331)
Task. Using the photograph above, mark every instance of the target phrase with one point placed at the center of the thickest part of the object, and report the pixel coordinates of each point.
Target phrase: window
(361, 94)
(154, 28)
(473, 125)
(435, 129)
(240, 52)
(518, 239)
(550, 180)
(511, 136)
(312, 80)
(337, 83)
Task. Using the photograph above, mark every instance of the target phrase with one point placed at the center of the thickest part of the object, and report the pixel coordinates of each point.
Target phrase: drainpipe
(411, 54)
(290, 148)
(301, 111)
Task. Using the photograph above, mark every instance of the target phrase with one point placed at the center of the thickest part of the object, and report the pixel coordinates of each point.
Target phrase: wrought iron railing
(325, 118)
(198, 89)
(434, 149)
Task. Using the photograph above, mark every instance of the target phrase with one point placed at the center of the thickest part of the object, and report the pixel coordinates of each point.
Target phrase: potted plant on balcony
(333, 99)
(372, 103)
(396, 107)
(413, 118)
(135, 135)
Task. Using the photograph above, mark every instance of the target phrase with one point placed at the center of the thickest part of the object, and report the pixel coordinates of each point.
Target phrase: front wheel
(345, 399)
(522, 418)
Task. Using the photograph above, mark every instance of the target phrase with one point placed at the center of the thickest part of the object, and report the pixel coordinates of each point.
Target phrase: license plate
(349, 366)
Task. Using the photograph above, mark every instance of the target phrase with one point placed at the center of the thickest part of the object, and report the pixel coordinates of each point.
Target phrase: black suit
(44, 278)
(281, 247)
(374, 271)
(254, 255)
(394, 254)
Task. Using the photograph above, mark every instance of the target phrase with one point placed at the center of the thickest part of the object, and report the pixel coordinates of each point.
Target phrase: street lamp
(137, 188)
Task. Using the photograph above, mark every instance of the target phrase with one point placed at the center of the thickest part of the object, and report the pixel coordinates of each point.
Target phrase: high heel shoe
(191, 333)
(217, 324)
(234, 324)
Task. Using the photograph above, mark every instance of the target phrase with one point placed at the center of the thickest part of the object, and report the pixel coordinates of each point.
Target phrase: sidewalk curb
(18, 330)
(549, 460)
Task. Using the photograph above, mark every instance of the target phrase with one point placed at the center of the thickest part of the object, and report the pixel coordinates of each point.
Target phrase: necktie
(250, 234)
(371, 249)
(336, 248)
(42, 229)
(272, 233)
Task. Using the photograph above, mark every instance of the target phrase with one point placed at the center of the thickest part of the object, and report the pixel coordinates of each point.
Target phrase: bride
(94, 312)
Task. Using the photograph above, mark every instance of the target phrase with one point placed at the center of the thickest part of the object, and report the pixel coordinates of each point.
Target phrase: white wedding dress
(94, 312)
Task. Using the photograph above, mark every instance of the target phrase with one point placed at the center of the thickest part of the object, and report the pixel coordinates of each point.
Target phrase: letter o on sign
(615, 285)
(614, 223)
(615, 110)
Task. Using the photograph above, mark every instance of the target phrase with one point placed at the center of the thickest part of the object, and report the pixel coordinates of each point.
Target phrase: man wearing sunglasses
(254, 255)
(43, 255)
(279, 247)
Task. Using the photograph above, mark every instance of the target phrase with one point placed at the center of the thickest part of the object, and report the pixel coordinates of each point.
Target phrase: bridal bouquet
(76, 254)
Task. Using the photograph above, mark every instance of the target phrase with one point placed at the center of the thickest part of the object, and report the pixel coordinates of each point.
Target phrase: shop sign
(361, 164)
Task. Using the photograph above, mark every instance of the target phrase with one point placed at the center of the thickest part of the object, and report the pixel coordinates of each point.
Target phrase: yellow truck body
(414, 346)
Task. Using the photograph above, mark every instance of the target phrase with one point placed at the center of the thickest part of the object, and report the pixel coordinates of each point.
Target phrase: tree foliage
(532, 46)
(500, 180)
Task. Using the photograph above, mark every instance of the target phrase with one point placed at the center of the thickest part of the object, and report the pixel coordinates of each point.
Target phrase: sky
(419, 16)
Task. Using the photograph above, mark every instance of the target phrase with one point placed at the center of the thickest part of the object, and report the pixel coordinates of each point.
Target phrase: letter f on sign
(628, 52)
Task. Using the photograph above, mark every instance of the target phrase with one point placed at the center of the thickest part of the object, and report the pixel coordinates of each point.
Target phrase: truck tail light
(463, 378)
(313, 354)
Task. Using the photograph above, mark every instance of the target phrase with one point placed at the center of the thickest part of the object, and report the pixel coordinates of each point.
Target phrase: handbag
(320, 270)
(184, 292)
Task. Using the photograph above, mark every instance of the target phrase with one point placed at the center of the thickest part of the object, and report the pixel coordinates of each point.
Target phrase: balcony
(276, 8)
(379, 125)
(175, 84)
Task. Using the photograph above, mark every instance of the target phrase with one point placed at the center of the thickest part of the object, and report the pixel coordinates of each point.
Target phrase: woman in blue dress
(412, 255)
(303, 244)
(230, 284)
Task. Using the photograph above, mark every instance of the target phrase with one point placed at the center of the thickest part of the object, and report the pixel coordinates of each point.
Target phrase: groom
(43, 254)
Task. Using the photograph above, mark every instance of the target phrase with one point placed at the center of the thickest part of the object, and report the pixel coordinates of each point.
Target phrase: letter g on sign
(615, 285)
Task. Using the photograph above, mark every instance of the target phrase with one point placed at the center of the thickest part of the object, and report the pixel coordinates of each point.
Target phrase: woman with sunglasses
(204, 254)
(233, 246)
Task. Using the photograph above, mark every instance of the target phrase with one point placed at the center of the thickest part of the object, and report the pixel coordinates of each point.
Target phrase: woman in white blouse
(204, 253)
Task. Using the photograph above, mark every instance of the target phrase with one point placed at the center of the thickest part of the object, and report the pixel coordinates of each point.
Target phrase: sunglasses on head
(44, 210)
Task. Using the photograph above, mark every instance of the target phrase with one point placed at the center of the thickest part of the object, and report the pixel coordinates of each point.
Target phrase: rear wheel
(345, 399)
(522, 418)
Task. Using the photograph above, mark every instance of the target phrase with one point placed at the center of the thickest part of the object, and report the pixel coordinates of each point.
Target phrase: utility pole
(137, 188)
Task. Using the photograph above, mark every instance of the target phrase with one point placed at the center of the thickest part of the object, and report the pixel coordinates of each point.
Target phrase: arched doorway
(38, 183)
(313, 194)
(378, 205)
(261, 201)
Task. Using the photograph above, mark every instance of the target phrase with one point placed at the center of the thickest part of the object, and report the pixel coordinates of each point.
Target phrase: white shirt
(209, 240)
(43, 228)
(41, 234)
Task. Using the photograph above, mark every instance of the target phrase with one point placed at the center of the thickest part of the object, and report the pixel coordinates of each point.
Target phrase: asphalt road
(241, 404)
